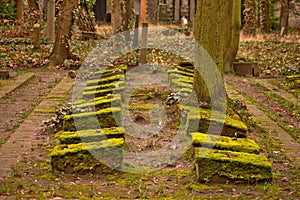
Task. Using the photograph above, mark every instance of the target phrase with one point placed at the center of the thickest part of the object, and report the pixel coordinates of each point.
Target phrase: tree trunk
(250, 18)
(33, 4)
(19, 9)
(127, 17)
(116, 16)
(265, 17)
(284, 17)
(209, 29)
(65, 21)
(231, 33)
(85, 22)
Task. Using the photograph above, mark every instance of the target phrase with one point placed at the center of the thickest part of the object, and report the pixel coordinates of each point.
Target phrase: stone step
(219, 166)
(105, 80)
(181, 68)
(109, 72)
(100, 93)
(224, 143)
(82, 157)
(104, 118)
(293, 77)
(182, 73)
(202, 121)
(99, 103)
(177, 84)
(104, 86)
(95, 135)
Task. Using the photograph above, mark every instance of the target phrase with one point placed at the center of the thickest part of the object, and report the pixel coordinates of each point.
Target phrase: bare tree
(231, 32)
(284, 16)
(65, 20)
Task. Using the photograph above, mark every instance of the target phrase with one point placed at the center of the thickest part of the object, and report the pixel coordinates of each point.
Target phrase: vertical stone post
(37, 36)
(177, 10)
(136, 32)
(143, 11)
(50, 19)
(143, 51)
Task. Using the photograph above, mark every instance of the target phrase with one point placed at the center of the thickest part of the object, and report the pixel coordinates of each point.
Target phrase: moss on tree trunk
(209, 29)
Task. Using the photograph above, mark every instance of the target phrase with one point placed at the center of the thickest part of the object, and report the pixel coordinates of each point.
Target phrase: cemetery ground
(272, 114)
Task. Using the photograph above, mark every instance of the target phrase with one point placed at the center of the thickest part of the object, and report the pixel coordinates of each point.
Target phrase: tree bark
(250, 18)
(65, 21)
(284, 16)
(19, 9)
(231, 33)
(116, 16)
(209, 29)
(265, 17)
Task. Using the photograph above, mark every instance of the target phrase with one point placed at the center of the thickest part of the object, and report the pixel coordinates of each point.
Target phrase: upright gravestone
(37, 36)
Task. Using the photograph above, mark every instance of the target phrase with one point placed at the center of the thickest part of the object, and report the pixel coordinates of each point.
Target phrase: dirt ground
(33, 177)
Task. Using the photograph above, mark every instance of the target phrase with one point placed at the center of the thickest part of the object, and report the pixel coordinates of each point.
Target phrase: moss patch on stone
(185, 69)
(177, 83)
(203, 120)
(105, 80)
(229, 165)
(101, 93)
(293, 77)
(91, 135)
(104, 86)
(225, 143)
(104, 72)
(74, 158)
(105, 118)
(183, 73)
(102, 102)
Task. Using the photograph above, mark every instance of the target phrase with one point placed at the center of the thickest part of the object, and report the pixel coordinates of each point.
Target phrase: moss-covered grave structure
(233, 157)
(230, 155)
(78, 151)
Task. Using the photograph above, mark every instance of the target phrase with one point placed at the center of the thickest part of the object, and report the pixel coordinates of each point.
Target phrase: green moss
(102, 102)
(183, 90)
(119, 69)
(225, 143)
(105, 80)
(185, 69)
(204, 120)
(44, 111)
(48, 176)
(183, 73)
(104, 86)
(293, 77)
(140, 106)
(105, 118)
(233, 166)
(177, 83)
(101, 93)
(77, 157)
(91, 135)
